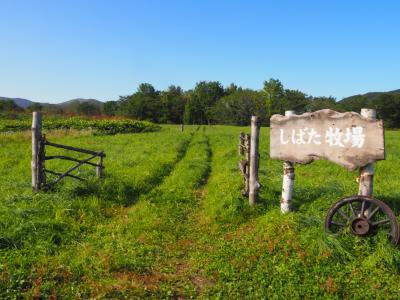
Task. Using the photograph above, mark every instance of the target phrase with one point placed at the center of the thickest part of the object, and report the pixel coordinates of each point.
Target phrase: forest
(209, 102)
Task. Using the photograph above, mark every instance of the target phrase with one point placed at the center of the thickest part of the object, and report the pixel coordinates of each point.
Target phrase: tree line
(209, 102)
(212, 103)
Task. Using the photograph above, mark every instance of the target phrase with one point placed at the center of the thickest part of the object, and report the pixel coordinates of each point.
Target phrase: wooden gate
(39, 143)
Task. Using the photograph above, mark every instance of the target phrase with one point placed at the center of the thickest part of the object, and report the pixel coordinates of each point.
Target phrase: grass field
(168, 221)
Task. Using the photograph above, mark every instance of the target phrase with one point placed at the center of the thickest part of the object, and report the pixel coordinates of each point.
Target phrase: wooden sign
(347, 139)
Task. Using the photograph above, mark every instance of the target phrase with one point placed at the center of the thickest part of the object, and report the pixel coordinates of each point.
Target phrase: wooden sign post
(288, 179)
(254, 185)
(366, 179)
(348, 139)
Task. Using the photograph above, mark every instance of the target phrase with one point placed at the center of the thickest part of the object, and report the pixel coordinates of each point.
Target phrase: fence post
(288, 179)
(247, 145)
(99, 167)
(182, 127)
(36, 157)
(241, 143)
(254, 185)
(366, 178)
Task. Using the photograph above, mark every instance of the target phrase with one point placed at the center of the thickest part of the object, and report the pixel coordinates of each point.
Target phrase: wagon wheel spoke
(346, 217)
(372, 213)
(362, 209)
(338, 224)
(353, 213)
(381, 222)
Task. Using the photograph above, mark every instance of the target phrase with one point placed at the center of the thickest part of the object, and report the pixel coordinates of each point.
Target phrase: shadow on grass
(123, 192)
(302, 196)
(393, 201)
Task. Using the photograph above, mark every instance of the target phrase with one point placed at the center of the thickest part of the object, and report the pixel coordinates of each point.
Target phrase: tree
(232, 88)
(388, 109)
(202, 99)
(111, 108)
(317, 103)
(274, 97)
(355, 103)
(238, 107)
(34, 107)
(88, 109)
(173, 105)
(145, 104)
(9, 108)
(295, 100)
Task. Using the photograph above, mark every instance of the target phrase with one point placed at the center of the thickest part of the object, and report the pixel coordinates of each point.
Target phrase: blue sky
(52, 51)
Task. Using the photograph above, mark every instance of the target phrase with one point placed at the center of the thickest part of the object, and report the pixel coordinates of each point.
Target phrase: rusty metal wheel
(363, 215)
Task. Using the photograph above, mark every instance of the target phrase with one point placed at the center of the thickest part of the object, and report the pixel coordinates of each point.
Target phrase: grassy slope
(193, 235)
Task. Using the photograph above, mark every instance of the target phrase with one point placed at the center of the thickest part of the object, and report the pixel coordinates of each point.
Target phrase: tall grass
(169, 221)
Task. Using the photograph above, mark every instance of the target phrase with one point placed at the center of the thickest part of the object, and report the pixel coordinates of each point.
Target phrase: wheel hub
(360, 226)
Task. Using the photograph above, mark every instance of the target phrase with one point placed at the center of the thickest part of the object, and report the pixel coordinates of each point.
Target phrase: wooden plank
(347, 139)
(76, 149)
(70, 159)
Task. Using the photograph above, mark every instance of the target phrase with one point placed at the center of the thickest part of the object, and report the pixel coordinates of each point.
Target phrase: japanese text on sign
(347, 139)
(333, 137)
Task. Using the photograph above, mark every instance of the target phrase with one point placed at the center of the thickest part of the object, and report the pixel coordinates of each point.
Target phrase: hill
(23, 103)
(80, 101)
(67, 106)
(369, 96)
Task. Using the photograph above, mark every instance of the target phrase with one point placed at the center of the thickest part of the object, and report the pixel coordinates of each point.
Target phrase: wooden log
(42, 160)
(76, 149)
(36, 137)
(241, 143)
(254, 185)
(288, 180)
(72, 169)
(68, 175)
(366, 178)
(71, 159)
(242, 166)
(247, 142)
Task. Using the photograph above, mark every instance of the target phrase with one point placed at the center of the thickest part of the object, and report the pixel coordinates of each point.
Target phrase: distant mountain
(369, 96)
(79, 101)
(69, 105)
(24, 103)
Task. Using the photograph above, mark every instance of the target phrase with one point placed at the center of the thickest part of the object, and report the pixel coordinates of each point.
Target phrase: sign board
(347, 139)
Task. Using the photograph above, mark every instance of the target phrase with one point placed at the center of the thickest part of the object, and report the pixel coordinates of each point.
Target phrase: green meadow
(168, 221)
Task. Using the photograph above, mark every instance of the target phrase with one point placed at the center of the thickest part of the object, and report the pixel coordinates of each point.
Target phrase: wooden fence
(39, 144)
(248, 146)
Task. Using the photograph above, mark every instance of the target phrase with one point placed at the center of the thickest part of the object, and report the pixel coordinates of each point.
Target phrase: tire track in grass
(175, 277)
(159, 224)
(131, 192)
(148, 185)
(122, 258)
